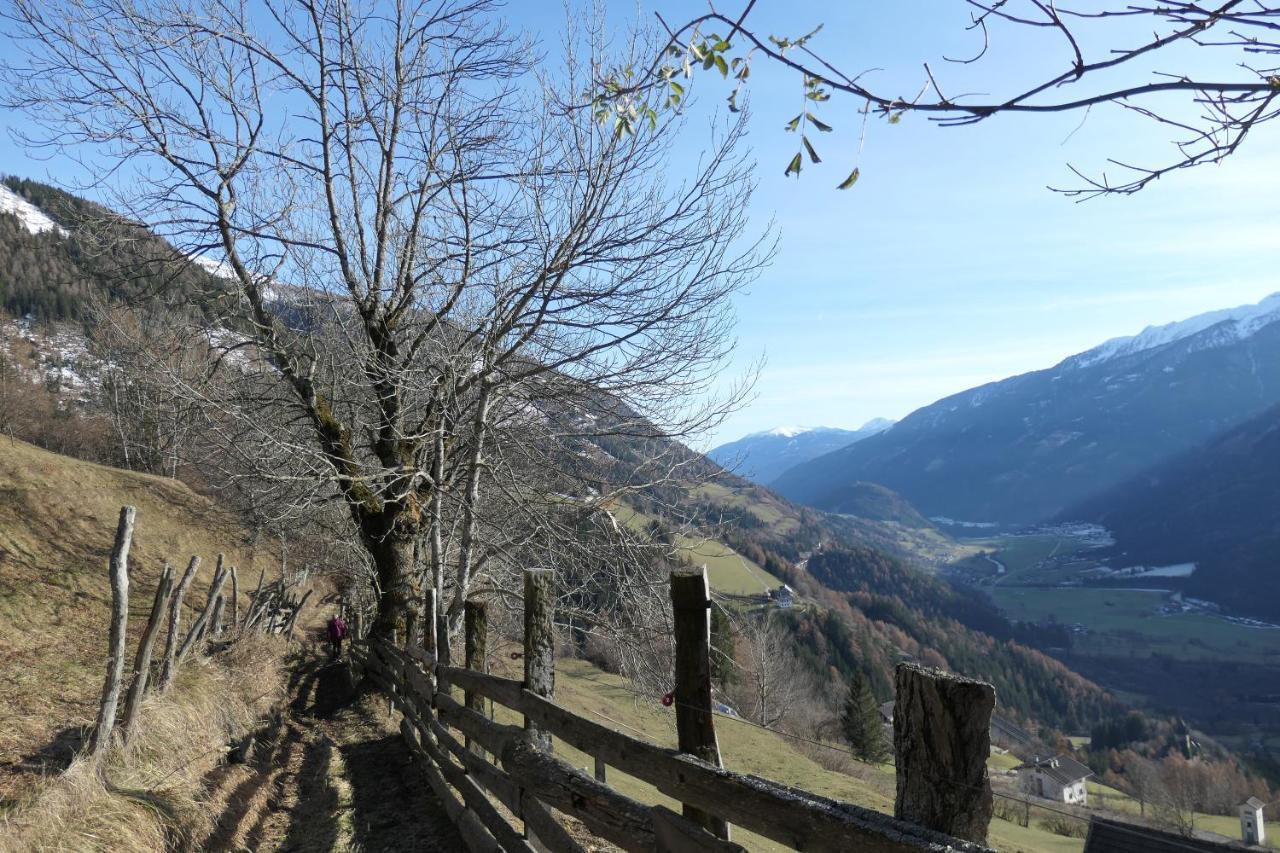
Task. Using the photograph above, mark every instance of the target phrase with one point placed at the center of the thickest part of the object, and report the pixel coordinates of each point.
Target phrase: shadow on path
(334, 775)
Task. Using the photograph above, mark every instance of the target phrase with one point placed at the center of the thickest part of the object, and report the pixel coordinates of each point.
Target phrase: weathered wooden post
(942, 739)
(201, 624)
(119, 569)
(142, 661)
(175, 623)
(695, 723)
(235, 601)
(430, 612)
(475, 629)
(215, 620)
(288, 628)
(539, 644)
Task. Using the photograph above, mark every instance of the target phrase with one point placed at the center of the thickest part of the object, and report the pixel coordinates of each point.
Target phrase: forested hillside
(55, 276)
(1215, 506)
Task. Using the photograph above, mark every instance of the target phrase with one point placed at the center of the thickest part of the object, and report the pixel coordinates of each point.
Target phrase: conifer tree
(860, 722)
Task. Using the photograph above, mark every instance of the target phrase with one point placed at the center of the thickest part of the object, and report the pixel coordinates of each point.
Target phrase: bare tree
(1210, 112)
(426, 247)
(773, 681)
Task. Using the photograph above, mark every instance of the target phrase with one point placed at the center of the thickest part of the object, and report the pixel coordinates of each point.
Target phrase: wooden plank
(504, 691)
(474, 835)
(474, 796)
(796, 818)
(695, 724)
(676, 834)
(539, 643)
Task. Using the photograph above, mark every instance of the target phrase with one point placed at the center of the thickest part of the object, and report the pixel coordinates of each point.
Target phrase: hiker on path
(337, 632)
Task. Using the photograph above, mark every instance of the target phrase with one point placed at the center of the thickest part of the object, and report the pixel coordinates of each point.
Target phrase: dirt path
(332, 776)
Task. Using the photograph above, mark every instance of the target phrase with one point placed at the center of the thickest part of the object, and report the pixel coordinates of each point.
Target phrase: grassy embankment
(57, 521)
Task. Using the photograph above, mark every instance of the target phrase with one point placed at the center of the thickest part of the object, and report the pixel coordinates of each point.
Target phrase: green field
(1127, 623)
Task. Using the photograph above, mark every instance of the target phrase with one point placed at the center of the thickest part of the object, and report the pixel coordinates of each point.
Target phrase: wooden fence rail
(527, 779)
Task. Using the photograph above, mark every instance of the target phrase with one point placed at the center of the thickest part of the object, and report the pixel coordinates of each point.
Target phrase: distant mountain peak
(1238, 323)
(788, 431)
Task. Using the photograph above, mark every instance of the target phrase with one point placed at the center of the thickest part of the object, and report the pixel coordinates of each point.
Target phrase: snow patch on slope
(33, 218)
(1237, 324)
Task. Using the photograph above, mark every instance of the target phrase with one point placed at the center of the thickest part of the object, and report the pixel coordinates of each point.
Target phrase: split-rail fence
(500, 783)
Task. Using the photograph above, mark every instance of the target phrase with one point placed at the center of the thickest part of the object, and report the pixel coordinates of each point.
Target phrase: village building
(1251, 825)
(1060, 778)
(783, 597)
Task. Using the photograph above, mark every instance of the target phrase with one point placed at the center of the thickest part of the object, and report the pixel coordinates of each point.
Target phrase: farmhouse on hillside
(1060, 778)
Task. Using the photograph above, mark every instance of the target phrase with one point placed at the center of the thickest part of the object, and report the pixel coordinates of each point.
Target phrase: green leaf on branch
(849, 181)
(794, 123)
(813, 155)
(820, 125)
(793, 168)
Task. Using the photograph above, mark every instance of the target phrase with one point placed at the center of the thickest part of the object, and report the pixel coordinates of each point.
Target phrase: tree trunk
(397, 597)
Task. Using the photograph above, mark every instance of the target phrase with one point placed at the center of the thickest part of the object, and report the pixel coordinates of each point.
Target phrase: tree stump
(942, 738)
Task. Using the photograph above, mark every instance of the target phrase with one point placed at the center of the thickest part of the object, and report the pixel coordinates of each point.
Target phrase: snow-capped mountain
(1023, 449)
(1230, 324)
(762, 456)
(32, 218)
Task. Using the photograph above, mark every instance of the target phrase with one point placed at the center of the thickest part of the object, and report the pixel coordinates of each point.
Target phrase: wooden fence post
(175, 623)
(119, 569)
(941, 740)
(142, 662)
(539, 644)
(475, 638)
(695, 723)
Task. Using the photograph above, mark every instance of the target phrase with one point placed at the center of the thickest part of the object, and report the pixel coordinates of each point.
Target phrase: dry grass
(150, 795)
(57, 520)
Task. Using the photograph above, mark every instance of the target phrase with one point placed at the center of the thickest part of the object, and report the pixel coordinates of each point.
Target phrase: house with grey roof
(1060, 778)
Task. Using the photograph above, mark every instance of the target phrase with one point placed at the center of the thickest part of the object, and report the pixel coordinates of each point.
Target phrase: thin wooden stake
(142, 661)
(119, 624)
(288, 629)
(235, 601)
(175, 623)
(202, 623)
(695, 723)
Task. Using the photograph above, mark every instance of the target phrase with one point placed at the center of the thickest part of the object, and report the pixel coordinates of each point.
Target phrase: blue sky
(950, 264)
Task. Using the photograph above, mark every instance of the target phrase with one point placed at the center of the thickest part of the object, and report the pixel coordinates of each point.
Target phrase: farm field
(1127, 623)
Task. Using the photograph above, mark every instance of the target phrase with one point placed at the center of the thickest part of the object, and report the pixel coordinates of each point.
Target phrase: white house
(1251, 828)
(1060, 778)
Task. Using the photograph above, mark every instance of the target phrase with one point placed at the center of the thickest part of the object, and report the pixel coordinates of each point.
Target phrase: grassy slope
(603, 697)
(727, 570)
(57, 522)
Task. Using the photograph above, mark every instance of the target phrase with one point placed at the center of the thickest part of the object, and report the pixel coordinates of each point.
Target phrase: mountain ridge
(1022, 449)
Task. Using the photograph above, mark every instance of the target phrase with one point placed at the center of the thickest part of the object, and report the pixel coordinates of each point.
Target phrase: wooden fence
(273, 609)
(500, 783)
